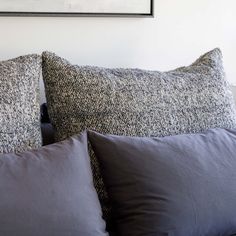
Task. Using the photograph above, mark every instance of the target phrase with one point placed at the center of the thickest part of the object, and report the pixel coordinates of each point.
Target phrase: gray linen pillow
(178, 185)
(50, 192)
(137, 102)
(19, 104)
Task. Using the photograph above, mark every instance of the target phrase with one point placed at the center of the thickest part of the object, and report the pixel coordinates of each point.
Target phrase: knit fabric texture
(19, 104)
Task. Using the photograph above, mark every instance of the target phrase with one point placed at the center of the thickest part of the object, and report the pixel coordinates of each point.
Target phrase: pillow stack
(162, 153)
(136, 102)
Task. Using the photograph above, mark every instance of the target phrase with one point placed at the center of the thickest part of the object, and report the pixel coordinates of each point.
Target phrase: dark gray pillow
(137, 102)
(49, 192)
(179, 185)
(19, 104)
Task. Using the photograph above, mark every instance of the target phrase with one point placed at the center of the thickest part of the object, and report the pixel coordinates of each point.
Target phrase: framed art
(76, 7)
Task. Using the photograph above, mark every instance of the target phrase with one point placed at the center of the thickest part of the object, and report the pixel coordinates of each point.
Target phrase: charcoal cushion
(19, 104)
(178, 185)
(49, 192)
(136, 102)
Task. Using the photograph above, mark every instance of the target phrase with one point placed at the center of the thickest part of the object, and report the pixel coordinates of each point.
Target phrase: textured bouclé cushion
(19, 104)
(178, 185)
(137, 102)
(50, 192)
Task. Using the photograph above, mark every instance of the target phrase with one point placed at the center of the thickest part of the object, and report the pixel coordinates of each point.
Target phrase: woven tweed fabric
(19, 104)
(136, 102)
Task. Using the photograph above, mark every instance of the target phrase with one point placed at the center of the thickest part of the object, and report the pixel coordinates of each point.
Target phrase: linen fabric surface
(19, 104)
(136, 102)
(177, 185)
(50, 192)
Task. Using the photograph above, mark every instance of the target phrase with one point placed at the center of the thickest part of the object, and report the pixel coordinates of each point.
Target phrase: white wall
(179, 33)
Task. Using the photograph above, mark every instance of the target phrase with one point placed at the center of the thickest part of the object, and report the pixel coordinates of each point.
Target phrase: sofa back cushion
(19, 104)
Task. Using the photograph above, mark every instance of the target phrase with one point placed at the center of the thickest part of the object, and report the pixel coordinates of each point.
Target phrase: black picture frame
(79, 14)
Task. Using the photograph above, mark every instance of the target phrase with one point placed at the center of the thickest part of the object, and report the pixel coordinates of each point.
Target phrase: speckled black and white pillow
(19, 104)
(137, 102)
